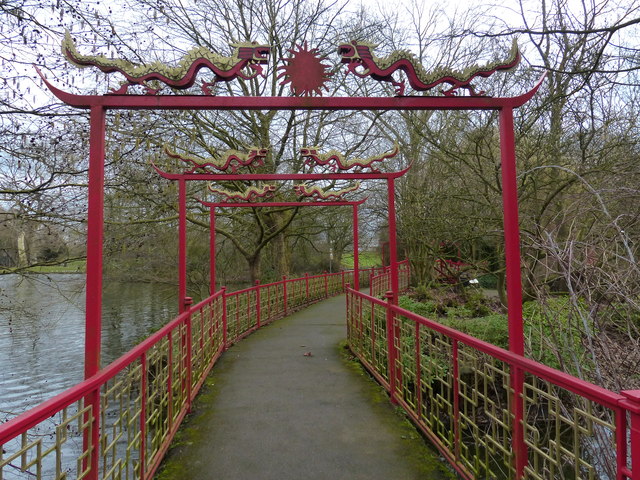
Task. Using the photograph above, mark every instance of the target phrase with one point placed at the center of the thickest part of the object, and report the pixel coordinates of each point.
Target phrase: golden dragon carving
(360, 55)
(336, 160)
(226, 68)
(233, 159)
(304, 190)
(251, 193)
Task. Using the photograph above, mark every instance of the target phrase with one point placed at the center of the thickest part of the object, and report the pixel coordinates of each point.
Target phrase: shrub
(488, 280)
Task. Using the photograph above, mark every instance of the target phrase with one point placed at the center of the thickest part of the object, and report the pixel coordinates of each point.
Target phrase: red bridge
(490, 412)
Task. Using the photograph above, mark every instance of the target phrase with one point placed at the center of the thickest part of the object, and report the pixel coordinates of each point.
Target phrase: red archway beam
(199, 102)
(314, 203)
(212, 230)
(265, 177)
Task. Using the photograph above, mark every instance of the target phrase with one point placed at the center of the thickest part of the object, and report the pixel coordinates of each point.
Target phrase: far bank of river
(42, 331)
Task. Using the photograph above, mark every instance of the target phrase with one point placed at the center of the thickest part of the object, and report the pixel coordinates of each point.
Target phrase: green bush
(488, 280)
(426, 309)
(553, 333)
(492, 328)
(459, 312)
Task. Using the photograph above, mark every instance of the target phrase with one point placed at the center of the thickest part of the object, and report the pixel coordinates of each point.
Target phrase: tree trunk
(23, 257)
(254, 268)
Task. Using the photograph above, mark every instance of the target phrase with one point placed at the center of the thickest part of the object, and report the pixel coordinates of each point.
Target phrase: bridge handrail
(177, 354)
(399, 347)
(380, 279)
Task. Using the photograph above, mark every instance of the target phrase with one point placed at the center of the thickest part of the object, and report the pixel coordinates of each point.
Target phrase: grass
(71, 266)
(365, 260)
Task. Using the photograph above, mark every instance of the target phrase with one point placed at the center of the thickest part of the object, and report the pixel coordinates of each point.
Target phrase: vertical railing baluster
(258, 305)
(456, 400)
(284, 293)
(306, 283)
(143, 414)
(188, 302)
(326, 285)
(391, 348)
(418, 373)
(633, 398)
(170, 380)
(224, 319)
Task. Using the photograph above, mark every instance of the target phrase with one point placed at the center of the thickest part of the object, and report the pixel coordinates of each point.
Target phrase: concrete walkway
(268, 411)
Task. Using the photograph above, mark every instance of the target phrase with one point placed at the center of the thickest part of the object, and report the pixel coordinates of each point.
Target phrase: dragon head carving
(253, 52)
(355, 51)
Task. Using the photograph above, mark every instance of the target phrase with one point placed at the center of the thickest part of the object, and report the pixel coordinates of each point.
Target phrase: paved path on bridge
(268, 412)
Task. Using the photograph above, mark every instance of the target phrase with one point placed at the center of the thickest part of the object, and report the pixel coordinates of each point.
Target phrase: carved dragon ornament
(226, 68)
(362, 62)
(232, 159)
(337, 161)
(303, 190)
(251, 193)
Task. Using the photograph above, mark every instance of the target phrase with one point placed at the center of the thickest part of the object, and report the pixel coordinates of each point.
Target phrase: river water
(42, 331)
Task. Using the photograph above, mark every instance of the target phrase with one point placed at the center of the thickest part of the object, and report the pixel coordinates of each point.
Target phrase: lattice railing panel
(380, 284)
(316, 288)
(241, 317)
(157, 415)
(51, 449)
(486, 447)
(567, 436)
(141, 398)
(120, 433)
(367, 327)
(348, 277)
(435, 404)
(334, 284)
(296, 293)
(491, 413)
(178, 369)
(271, 302)
(206, 332)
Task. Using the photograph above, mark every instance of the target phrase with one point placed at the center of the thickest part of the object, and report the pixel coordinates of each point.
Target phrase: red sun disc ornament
(305, 71)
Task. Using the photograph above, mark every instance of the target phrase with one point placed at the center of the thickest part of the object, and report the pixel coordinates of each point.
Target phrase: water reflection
(42, 331)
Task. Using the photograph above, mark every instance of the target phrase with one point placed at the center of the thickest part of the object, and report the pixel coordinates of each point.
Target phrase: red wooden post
(306, 282)
(224, 317)
(456, 400)
(93, 301)
(188, 301)
(170, 381)
(356, 260)
(284, 293)
(326, 285)
(633, 397)
(514, 280)
(258, 309)
(393, 257)
(182, 244)
(343, 285)
(212, 250)
(143, 414)
(391, 347)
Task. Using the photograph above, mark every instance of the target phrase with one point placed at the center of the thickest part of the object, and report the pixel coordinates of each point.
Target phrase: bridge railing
(124, 417)
(380, 279)
(460, 392)
(119, 423)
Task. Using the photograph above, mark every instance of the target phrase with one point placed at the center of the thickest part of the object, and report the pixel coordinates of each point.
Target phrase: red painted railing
(459, 391)
(380, 280)
(145, 394)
